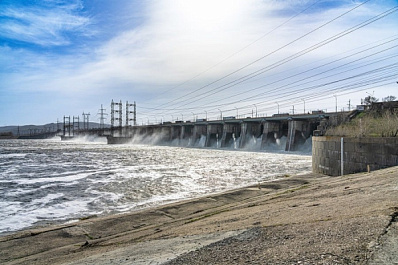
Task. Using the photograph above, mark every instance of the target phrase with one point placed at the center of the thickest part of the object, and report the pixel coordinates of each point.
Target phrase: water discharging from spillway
(252, 144)
(51, 181)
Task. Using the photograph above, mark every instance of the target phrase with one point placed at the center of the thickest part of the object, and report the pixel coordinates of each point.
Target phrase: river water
(48, 181)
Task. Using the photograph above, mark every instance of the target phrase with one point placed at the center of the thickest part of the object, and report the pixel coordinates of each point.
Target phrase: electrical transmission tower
(128, 112)
(113, 118)
(102, 117)
(67, 125)
(76, 125)
(86, 117)
(117, 115)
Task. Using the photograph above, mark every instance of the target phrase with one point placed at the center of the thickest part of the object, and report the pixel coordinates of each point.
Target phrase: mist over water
(251, 144)
(43, 182)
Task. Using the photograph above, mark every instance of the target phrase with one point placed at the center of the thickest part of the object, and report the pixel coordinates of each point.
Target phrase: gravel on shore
(305, 219)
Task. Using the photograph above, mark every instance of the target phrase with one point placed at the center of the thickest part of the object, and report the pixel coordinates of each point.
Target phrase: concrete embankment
(332, 154)
(307, 219)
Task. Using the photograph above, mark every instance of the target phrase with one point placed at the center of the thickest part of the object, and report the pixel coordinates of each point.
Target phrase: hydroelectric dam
(231, 132)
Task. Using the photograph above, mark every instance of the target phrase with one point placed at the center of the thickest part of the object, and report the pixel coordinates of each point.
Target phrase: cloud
(45, 25)
(166, 49)
(181, 39)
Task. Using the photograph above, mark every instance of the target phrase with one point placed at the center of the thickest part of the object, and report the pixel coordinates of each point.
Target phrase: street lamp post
(220, 114)
(336, 101)
(256, 109)
(304, 104)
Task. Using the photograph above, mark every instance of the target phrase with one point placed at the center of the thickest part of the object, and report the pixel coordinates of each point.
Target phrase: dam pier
(238, 133)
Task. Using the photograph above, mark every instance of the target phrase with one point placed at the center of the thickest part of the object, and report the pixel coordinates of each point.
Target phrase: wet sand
(307, 219)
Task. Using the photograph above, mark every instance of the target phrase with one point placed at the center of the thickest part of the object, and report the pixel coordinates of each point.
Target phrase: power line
(267, 55)
(232, 55)
(306, 71)
(305, 78)
(287, 59)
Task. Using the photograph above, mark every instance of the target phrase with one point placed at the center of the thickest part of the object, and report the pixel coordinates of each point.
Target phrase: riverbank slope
(306, 219)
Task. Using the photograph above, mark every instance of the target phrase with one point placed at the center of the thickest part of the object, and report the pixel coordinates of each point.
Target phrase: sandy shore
(308, 219)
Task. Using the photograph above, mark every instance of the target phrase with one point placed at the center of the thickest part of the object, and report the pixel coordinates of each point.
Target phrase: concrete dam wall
(287, 133)
(359, 154)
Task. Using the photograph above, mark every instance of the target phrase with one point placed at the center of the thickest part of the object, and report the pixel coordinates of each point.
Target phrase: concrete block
(380, 160)
(331, 145)
(366, 140)
(318, 151)
(349, 146)
(327, 163)
(354, 158)
(394, 157)
(358, 147)
(368, 148)
(363, 159)
(328, 153)
(358, 153)
(376, 148)
(391, 148)
(336, 155)
(354, 167)
(390, 160)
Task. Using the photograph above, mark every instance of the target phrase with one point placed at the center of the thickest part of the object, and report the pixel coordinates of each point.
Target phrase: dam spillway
(230, 131)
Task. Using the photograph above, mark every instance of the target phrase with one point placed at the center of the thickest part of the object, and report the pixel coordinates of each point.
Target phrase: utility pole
(349, 105)
(293, 109)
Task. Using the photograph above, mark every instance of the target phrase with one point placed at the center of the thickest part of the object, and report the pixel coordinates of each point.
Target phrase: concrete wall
(358, 154)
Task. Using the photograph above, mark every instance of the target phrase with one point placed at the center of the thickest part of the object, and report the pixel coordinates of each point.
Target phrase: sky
(193, 59)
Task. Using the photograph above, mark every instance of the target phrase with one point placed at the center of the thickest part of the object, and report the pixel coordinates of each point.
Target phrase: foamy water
(42, 182)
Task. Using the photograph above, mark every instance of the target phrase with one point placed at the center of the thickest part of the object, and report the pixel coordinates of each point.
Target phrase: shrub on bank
(368, 124)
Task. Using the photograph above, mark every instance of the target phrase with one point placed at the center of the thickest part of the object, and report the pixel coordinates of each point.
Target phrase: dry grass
(368, 125)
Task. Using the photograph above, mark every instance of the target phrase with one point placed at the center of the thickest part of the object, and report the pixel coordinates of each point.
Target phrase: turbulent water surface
(49, 181)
